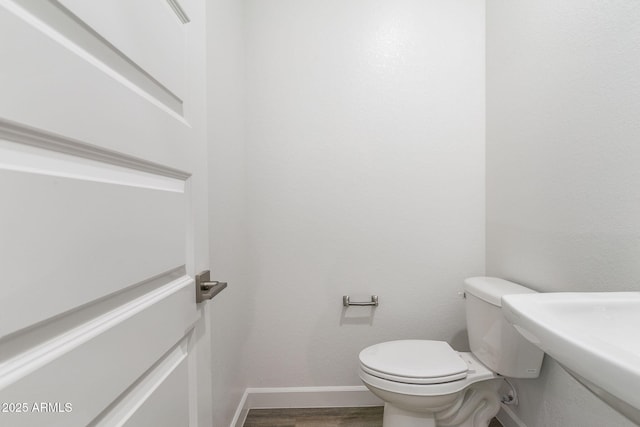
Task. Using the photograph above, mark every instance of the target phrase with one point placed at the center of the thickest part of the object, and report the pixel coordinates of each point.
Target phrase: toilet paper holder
(346, 301)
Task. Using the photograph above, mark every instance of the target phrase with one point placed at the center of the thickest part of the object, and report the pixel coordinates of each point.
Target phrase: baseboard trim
(302, 397)
(241, 412)
(507, 417)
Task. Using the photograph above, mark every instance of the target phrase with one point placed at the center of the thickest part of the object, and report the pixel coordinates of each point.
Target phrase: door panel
(102, 174)
(158, 405)
(77, 87)
(67, 229)
(132, 28)
(111, 350)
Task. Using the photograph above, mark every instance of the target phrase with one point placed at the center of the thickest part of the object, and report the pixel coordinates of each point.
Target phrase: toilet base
(396, 417)
(473, 406)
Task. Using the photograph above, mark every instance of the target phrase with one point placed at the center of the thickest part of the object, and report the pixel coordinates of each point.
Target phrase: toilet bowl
(445, 389)
(427, 383)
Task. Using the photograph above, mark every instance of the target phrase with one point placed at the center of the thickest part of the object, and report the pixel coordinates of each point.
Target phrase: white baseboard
(508, 418)
(241, 412)
(302, 397)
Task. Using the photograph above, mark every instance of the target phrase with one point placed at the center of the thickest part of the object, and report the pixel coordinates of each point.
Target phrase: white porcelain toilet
(427, 383)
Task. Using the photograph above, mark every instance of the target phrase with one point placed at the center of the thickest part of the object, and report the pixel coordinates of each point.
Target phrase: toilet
(427, 383)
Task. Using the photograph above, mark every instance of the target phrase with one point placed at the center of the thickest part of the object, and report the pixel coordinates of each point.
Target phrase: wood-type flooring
(321, 417)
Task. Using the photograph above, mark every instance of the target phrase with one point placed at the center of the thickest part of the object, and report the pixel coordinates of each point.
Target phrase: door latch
(206, 288)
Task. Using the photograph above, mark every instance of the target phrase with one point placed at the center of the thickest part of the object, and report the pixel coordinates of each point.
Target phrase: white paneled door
(102, 211)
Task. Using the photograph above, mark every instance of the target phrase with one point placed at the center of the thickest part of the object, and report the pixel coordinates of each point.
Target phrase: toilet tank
(491, 338)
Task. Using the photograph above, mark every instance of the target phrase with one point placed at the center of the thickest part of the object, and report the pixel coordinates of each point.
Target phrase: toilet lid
(414, 361)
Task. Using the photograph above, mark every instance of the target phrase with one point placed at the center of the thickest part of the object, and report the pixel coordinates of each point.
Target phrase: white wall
(228, 320)
(563, 175)
(365, 174)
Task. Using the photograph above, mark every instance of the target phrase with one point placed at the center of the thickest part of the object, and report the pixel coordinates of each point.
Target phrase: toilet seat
(476, 372)
(414, 362)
